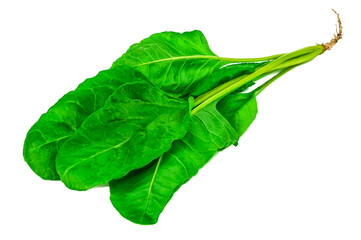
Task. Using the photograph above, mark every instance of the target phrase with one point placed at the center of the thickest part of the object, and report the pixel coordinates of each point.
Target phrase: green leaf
(225, 74)
(136, 125)
(182, 63)
(239, 109)
(142, 195)
(189, 52)
(61, 120)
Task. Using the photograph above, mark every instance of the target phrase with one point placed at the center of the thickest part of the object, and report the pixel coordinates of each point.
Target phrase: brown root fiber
(337, 36)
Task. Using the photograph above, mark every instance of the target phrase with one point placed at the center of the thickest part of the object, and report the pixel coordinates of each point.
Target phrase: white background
(296, 173)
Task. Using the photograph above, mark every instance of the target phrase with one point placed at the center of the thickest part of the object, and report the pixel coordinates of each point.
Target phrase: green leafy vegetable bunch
(150, 122)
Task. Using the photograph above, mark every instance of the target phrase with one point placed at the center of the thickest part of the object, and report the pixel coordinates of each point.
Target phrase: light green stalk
(283, 62)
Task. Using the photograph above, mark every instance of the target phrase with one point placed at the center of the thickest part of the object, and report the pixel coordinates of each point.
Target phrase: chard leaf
(182, 63)
(136, 125)
(62, 119)
(142, 195)
(223, 75)
(239, 109)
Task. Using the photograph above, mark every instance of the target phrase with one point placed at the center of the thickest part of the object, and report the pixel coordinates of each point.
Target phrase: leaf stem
(291, 59)
(206, 95)
(274, 78)
(299, 60)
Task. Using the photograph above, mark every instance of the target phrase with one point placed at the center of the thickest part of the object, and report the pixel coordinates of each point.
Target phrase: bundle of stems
(278, 64)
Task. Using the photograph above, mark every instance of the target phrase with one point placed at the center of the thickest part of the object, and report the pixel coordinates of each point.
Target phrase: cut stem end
(337, 36)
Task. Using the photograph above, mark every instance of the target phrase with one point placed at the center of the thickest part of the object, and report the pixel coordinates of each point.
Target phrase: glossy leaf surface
(61, 120)
(142, 195)
(182, 63)
(136, 125)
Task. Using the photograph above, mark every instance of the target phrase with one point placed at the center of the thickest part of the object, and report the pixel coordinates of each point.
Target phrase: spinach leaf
(54, 127)
(225, 74)
(136, 125)
(239, 109)
(142, 195)
(182, 63)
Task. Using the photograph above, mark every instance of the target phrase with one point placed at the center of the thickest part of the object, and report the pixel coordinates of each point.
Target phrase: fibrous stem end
(337, 36)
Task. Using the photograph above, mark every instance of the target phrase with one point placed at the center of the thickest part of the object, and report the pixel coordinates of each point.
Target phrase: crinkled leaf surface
(142, 195)
(182, 63)
(56, 125)
(136, 125)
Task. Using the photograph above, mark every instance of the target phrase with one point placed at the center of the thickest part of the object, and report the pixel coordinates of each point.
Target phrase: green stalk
(298, 61)
(282, 62)
(291, 59)
(274, 78)
(204, 96)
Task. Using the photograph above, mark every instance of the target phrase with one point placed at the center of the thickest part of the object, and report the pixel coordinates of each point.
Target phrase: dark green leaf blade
(239, 109)
(56, 125)
(181, 63)
(225, 74)
(142, 195)
(137, 124)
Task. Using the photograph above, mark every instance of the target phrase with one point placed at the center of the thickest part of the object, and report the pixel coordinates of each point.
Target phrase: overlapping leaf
(61, 120)
(142, 195)
(137, 124)
(182, 63)
(131, 125)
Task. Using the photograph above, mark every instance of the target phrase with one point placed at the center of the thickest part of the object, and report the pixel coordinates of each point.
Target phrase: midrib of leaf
(209, 57)
(151, 186)
(177, 58)
(94, 155)
(180, 162)
(153, 180)
(43, 144)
